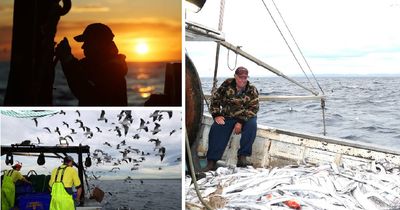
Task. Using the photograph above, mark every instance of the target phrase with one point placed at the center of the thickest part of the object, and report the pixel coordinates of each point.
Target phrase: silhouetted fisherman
(99, 78)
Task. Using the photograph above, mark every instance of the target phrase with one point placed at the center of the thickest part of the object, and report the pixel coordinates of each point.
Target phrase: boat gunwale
(319, 137)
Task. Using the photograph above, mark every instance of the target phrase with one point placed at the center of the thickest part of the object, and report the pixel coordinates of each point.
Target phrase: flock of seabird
(121, 127)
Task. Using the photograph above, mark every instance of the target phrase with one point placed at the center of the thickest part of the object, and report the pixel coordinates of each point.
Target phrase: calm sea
(152, 194)
(364, 109)
(143, 79)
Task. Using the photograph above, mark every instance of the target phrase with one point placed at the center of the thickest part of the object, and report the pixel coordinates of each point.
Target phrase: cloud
(89, 8)
(7, 8)
(349, 40)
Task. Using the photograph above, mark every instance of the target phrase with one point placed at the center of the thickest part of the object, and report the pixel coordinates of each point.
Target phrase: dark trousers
(219, 136)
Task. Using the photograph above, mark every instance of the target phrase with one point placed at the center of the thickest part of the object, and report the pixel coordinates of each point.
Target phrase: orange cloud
(7, 8)
(89, 8)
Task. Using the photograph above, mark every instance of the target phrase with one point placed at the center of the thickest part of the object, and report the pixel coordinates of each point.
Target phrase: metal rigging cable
(276, 24)
(319, 86)
(298, 48)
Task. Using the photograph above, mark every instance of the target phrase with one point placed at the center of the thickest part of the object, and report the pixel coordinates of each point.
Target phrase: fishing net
(28, 113)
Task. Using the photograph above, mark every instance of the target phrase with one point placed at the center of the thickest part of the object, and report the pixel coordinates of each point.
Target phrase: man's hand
(220, 120)
(238, 128)
(77, 202)
(63, 50)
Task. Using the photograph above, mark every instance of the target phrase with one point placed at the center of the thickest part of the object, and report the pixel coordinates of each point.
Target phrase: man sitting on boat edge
(234, 106)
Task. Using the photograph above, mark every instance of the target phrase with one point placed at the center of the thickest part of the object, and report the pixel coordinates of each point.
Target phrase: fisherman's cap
(68, 158)
(95, 31)
(241, 71)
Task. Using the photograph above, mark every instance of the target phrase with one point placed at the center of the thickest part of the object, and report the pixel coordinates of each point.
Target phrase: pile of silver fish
(298, 187)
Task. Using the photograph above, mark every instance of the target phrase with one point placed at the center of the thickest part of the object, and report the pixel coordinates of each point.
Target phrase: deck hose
(191, 168)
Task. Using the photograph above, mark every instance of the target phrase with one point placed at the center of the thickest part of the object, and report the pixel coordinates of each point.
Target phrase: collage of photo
(199, 105)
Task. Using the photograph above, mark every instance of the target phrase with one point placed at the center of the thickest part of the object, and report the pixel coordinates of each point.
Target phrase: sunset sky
(145, 30)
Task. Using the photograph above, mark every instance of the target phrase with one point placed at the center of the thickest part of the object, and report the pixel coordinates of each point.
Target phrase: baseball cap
(241, 71)
(68, 158)
(95, 31)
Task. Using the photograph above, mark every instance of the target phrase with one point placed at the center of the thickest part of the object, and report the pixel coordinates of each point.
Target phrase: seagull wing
(157, 126)
(126, 128)
(68, 136)
(36, 121)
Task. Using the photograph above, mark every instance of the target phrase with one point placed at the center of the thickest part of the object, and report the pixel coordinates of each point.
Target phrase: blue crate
(34, 201)
(23, 188)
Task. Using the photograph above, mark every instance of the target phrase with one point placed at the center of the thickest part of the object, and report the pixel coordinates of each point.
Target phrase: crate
(23, 188)
(34, 201)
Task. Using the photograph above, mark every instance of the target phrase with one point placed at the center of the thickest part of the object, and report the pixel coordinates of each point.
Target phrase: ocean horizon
(143, 79)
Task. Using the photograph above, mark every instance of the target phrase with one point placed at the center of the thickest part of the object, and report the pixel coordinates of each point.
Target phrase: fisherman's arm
(71, 68)
(254, 104)
(22, 178)
(25, 180)
(250, 110)
(215, 104)
(77, 183)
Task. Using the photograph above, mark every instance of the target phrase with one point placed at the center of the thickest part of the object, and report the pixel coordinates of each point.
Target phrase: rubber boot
(242, 161)
(211, 166)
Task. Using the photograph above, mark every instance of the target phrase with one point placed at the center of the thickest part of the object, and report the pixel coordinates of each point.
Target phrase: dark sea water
(152, 194)
(365, 109)
(143, 79)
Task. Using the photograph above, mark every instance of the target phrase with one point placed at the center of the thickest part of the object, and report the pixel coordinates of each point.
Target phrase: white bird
(57, 130)
(102, 116)
(156, 129)
(66, 124)
(88, 133)
(169, 113)
(157, 143)
(155, 115)
(143, 125)
(48, 129)
(36, 121)
(73, 131)
(161, 152)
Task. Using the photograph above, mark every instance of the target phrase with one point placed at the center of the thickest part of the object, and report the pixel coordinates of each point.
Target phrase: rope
(191, 167)
(312, 73)
(221, 14)
(298, 48)
(235, 61)
(276, 24)
(220, 23)
(28, 113)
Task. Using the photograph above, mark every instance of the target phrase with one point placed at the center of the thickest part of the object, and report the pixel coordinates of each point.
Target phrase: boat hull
(278, 147)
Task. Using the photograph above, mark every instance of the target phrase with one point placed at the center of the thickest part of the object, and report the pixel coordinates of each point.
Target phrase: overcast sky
(336, 36)
(15, 130)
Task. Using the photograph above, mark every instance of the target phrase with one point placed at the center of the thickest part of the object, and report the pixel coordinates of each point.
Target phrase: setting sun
(141, 48)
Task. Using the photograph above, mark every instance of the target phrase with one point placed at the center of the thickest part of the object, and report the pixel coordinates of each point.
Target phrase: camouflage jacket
(227, 102)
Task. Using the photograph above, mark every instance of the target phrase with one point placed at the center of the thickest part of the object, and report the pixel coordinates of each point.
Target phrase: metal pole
(323, 114)
(80, 172)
